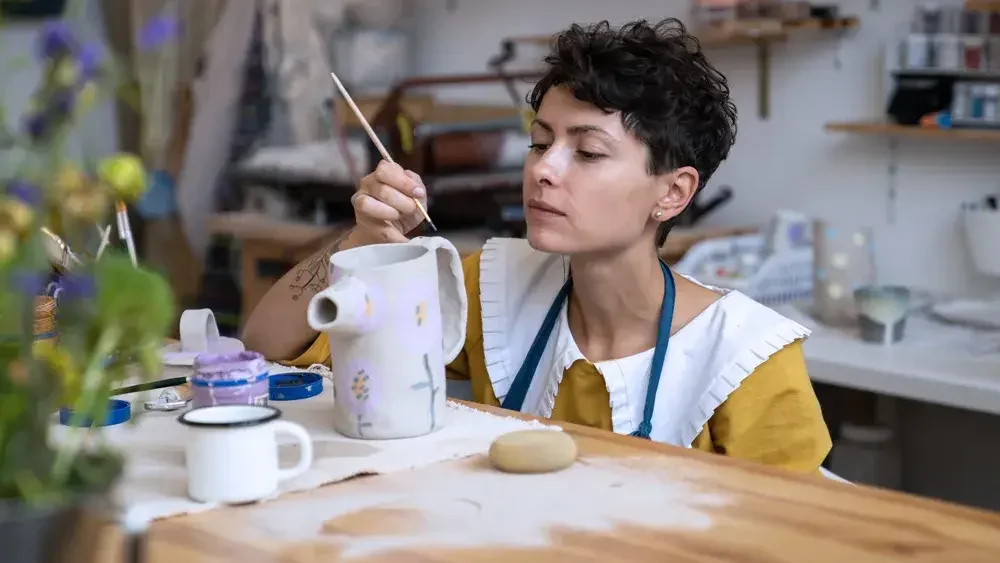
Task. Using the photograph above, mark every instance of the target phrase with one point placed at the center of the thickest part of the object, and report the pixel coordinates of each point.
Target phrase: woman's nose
(553, 165)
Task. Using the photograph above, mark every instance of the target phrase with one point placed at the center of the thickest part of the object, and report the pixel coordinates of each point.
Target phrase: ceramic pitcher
(395, 314)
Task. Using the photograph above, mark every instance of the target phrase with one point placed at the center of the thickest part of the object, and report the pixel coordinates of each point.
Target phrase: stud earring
(658, 214)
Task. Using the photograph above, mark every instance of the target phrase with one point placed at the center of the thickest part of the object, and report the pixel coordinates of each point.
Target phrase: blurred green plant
(112, 316)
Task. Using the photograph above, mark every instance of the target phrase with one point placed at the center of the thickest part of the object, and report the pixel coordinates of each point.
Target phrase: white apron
(706, 360)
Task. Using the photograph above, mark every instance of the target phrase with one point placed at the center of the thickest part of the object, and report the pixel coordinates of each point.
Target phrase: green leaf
(137, 300)
(128, 92)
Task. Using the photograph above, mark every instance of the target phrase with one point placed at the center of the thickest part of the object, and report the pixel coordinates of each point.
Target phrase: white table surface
(943, 374)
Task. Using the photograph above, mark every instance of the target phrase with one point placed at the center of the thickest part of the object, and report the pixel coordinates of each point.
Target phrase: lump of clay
(533, 451)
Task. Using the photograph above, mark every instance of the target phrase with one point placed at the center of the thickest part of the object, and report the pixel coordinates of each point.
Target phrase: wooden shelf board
(877, 128)
(982, 5)
(722, 37)
(759, 33)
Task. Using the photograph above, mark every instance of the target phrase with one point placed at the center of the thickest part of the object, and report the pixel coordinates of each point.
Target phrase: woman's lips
(542, 209)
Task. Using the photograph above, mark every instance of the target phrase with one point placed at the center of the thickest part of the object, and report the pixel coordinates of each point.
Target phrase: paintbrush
(105, 236)
(153, 385)
(125, 230)
(375, 139)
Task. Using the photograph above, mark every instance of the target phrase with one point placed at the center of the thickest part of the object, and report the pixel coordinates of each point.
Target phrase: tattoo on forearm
(313, 274)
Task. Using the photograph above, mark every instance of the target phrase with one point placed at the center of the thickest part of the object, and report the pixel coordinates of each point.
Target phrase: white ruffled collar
(706, 360)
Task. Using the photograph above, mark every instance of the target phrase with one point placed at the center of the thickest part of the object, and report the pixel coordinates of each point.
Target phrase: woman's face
(586, 185)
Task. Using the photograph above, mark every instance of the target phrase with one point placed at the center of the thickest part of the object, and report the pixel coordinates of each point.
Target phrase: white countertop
(947, 372)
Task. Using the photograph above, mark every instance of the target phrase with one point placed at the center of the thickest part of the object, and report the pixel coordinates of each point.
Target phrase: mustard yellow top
(773, 416)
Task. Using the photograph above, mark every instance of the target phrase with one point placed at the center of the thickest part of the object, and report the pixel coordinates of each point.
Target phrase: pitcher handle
(454, 302)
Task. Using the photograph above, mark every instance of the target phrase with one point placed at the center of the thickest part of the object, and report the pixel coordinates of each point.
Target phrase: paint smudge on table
(456, 505)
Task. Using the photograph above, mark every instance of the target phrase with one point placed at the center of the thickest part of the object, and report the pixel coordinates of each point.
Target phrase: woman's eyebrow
(574, 130)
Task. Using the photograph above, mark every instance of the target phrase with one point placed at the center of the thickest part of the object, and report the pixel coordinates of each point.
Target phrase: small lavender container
(230, 379)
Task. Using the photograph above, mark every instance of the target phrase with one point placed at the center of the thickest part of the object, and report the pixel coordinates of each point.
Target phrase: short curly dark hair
(669, 96)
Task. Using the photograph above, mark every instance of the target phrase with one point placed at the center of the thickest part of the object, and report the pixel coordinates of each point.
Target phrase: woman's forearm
(277, 326)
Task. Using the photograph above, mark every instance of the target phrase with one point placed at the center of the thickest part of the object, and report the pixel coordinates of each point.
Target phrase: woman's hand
(384, 209)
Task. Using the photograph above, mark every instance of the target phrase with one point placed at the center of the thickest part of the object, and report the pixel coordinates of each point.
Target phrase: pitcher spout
(342, 308)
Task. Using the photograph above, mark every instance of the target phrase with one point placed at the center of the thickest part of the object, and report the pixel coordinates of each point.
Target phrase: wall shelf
(762, 38)
(883, 129)
(982, 5)
(724, 36)
(757, 33)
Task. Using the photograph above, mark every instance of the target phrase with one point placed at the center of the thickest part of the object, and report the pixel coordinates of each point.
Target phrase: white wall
(787, 161)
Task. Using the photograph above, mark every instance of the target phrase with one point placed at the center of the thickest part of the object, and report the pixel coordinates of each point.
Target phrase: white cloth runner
(155, 482)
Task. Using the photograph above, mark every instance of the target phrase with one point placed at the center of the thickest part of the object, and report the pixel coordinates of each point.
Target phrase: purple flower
(89, 59)
(55, 40)
(27, 282)
(35, 126)
(25, 192)
(61, 102)
(157, 32)
(77, 286)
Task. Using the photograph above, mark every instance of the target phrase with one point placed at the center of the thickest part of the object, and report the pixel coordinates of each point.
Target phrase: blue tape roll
(294, 386)
(197, 382)
(118, 412)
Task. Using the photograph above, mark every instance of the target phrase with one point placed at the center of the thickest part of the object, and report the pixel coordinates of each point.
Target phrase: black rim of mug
(274, 414)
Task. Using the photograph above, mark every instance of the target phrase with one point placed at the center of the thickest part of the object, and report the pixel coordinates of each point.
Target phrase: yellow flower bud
(86, 98)
(69, 179)
(124, 174)
(8, 245)
(18, 215)
(88, 204)
(66, 73)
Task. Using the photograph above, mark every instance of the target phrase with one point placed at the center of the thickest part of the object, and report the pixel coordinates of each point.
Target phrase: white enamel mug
(232, 452)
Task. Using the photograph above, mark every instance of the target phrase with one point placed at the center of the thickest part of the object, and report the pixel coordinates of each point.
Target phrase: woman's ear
(676, 191)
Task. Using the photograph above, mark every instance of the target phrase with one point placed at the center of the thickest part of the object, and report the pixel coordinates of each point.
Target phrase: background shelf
(905, 131)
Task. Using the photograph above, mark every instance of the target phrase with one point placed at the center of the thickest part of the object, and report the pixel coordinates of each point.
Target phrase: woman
(584, 323)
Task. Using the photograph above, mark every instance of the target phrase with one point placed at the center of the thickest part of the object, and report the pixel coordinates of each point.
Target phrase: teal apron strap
(519, 387)
(659, 353)
(514, 399)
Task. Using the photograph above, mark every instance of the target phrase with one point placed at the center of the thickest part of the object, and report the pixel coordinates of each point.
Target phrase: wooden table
(771, 516)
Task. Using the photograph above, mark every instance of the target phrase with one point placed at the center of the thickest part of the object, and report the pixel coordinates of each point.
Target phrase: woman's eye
(590, 156)
(538, 147)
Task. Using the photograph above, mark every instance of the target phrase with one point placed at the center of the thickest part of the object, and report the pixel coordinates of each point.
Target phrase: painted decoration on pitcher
(432, 390)
(362, 395)
(422, 322)
(421, 313)
(416, 316)
(375, 306)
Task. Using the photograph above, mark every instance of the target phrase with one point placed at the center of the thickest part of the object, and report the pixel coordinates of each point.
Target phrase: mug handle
(305, 443)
